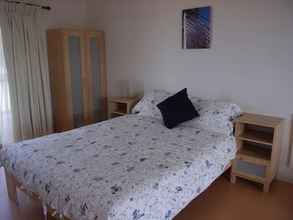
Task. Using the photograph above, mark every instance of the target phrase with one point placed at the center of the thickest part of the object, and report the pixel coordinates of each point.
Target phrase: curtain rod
(30, 4)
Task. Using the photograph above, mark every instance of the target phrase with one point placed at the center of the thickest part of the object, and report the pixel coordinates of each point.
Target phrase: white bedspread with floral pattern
(131, 167)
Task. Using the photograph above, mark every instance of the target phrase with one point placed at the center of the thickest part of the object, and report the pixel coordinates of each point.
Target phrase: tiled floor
(222, 201)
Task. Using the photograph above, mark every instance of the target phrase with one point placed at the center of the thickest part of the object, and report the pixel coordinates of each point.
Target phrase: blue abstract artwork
(196, 28)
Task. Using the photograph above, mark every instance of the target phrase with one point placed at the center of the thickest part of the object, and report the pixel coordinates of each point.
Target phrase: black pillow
(177, 109)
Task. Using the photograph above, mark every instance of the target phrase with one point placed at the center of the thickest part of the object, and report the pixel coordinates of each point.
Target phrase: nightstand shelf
(250, 177)
(118, 113)
(120, 106)
(258, 142)
(255, 154)
(257, 137)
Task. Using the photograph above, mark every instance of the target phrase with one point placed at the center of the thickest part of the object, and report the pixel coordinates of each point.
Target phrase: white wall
(250, 61)
(67, 13)
(64, 13)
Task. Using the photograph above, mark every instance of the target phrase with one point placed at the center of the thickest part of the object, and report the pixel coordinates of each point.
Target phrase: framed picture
(196, 28)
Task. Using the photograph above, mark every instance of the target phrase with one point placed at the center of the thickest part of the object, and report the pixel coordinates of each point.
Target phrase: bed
(131, 167)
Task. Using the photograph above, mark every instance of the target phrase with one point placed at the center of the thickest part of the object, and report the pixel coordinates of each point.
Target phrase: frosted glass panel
(75, 69)
(95, 67)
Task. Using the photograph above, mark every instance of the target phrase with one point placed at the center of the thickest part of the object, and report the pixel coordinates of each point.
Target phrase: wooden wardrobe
(78, 77)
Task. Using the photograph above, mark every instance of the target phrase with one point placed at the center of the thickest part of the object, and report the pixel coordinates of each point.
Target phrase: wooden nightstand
(120, 106)
(258, 141)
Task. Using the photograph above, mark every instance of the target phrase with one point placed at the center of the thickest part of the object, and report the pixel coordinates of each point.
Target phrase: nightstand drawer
(250, 169)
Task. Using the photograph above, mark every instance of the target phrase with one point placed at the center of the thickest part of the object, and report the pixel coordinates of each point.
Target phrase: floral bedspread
(130, 167)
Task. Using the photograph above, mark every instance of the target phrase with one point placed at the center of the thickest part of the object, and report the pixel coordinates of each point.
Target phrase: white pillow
(147, 106)
(215, 115)
(227, 110)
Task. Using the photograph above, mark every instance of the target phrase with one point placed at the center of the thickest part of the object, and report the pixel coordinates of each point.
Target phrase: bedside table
(258, 142)
(120, 106)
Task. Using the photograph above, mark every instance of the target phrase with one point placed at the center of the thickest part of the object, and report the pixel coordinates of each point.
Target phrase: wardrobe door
(96, 69)
(75, 71)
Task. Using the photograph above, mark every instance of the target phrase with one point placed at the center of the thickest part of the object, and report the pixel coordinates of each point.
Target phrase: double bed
(130, 167)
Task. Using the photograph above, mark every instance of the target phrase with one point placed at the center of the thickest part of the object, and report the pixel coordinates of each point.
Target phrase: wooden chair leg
(11, 187)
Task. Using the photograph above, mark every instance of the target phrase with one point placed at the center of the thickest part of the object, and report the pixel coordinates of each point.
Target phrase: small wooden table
(120, 106)
(258, 141)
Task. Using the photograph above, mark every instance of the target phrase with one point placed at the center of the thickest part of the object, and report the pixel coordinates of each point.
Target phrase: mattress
(131, 167)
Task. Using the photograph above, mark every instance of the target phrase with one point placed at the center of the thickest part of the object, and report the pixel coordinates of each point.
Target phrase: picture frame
(196, 28)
